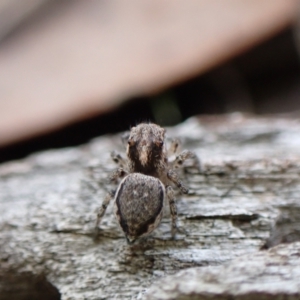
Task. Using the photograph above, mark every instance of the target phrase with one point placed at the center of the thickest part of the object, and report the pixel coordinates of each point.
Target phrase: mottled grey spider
(148, 176)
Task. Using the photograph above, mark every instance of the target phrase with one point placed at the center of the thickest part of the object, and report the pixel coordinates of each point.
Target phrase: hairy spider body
(139, 204)
(149, 176)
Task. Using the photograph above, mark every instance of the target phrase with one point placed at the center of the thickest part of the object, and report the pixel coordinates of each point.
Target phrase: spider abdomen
(139, 205)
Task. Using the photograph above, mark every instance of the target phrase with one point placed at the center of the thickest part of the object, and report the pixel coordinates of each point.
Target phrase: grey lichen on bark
(244, 201)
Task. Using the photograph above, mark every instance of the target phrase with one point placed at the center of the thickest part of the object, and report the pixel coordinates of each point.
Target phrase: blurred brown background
(72, 70)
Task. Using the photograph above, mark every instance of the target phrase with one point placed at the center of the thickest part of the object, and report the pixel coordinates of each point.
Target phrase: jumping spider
(148, 176)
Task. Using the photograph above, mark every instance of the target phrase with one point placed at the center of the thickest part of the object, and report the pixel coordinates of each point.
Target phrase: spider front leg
(173, 210)
(172, 175)
(183, 156)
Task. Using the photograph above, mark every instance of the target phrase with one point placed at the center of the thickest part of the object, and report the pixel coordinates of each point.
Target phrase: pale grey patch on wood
(261, 275)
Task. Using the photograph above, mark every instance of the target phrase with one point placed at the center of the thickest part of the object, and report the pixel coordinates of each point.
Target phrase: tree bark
(245, 201)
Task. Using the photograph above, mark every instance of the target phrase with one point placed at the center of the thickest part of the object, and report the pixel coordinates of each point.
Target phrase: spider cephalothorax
(146, 150)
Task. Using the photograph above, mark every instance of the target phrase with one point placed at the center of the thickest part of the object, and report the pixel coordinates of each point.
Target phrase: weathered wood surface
(245, 200)
(264, 275)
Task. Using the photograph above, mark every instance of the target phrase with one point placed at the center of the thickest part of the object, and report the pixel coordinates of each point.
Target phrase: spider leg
(102, 209)
(173, 210)
(118, 159)
(173, 148)
(183, 156)
(172, 175)
(118, 173)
